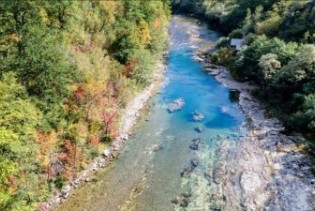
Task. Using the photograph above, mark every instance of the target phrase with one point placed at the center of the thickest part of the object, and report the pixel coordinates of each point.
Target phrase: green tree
(309, 111)
(18, 142)
(269, 65)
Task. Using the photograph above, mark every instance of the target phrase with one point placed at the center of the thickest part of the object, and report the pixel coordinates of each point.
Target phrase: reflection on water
(144, 178)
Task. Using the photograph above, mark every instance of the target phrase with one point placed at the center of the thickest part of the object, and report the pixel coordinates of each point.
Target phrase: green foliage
(275, 56)
(248, 58)
(269, 65)
(309, 110)
(143, 68)
(18, 147)
(237, 33)
(63, 64)
(223, 42)
(223, 55)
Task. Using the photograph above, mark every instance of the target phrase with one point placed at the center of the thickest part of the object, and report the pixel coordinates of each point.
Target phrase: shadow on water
(234, 96)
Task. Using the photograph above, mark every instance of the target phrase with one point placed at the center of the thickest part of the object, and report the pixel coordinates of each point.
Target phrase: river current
(159, 169)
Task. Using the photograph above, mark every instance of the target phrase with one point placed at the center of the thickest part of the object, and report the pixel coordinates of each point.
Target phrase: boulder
(197, 116)
(176, 105)
(250, 181)
(107, 153)
(65, 192)
(198, 129)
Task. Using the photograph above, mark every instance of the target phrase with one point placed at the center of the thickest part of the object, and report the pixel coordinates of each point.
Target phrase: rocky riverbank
(128, 120)
(267, 170)
(260, 169)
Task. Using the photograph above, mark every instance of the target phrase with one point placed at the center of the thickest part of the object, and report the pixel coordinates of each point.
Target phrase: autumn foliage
(67, 69)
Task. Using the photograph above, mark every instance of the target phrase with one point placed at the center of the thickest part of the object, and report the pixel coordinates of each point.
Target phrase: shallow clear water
(142, 179)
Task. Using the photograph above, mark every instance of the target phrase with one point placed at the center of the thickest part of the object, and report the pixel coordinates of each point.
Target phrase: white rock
(106, 153)
(250, 181)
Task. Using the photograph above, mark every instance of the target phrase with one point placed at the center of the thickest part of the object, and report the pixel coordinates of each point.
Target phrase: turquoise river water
(145, 179)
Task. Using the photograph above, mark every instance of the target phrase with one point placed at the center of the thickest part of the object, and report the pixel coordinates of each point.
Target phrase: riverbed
(174, 162)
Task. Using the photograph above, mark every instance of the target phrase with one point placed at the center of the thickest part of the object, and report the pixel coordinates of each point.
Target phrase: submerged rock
(183, 200)
(184, 203)
(197, 116)
(198, 129)
(186, 172)
(186, 195)
(158, 147)
(196, 144)
(194, 162)
(176, 105)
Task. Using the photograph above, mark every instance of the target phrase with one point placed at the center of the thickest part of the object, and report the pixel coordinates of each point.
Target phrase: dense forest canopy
(279, 50)
(67, 69)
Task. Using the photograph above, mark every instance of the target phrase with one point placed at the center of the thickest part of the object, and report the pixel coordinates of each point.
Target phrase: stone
(198, 129)
(106, 153)
(250, 181)
(67, 188)
(186, 172)
(276, 166)
(197, 116)
(115, 154)
(186, 195)
(57, 200)
(196, 144)
(184, 203)
(158, 147)
(65, 195)
(176, 105)
(194, 162)
(175, 201)
(197, 141)
(65, 192)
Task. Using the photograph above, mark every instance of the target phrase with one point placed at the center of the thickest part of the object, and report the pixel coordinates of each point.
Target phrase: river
(161, 168)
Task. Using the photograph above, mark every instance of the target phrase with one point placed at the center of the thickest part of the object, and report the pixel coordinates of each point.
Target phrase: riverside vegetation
(67, 69)
(278, 54)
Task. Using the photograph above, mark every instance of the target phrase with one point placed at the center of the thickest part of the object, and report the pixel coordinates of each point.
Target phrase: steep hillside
(67, 69)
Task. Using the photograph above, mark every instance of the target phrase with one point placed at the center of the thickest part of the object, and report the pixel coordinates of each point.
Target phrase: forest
(67, 70)
(278, 54)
